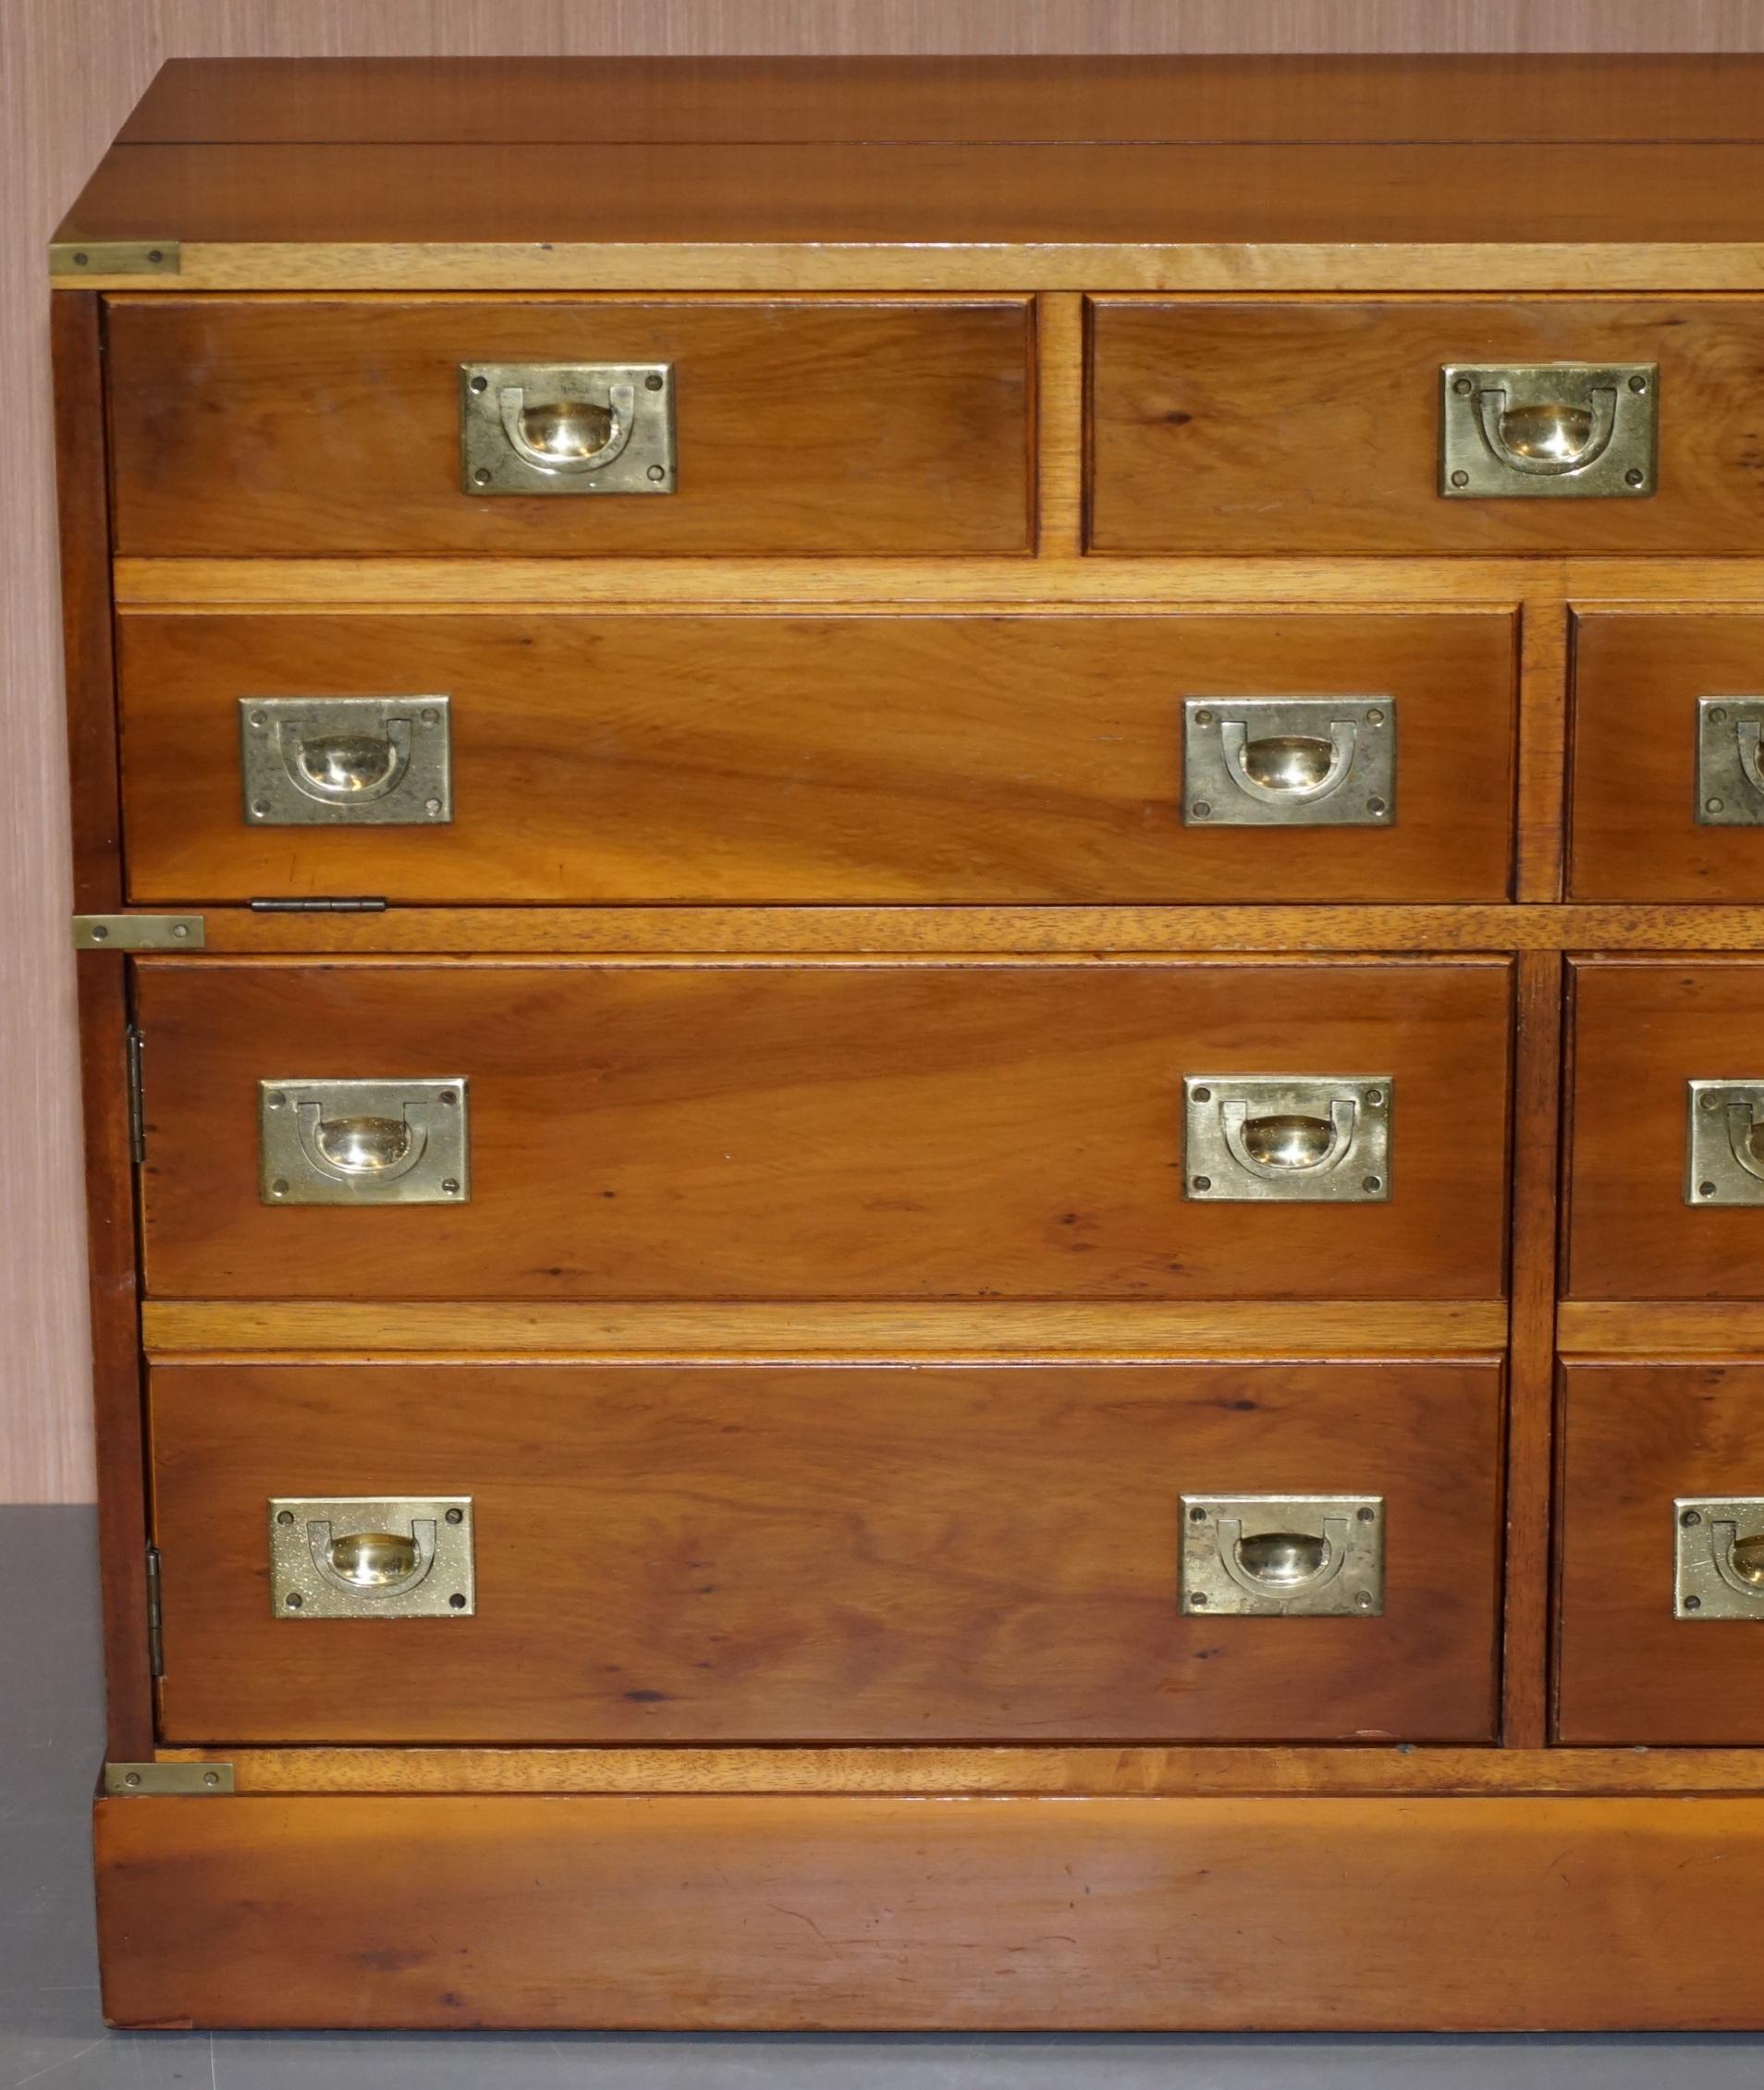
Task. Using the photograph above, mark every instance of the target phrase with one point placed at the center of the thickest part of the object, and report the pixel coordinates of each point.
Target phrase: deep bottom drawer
(679, 1553)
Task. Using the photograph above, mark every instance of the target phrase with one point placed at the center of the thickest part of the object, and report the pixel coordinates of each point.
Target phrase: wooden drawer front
(247, 425)
(782, 1130)
(686, 1553)
(851, 758)
(1641, 830)
(1643, 1033)
(1243, 426)
(1639, 1439)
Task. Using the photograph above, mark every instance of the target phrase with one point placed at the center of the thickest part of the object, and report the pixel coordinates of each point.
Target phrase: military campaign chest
(923, 998)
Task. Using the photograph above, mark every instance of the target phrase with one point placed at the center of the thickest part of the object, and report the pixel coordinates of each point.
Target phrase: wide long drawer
(563, 758)
(247, 427)
(840, 1129)
(690, 1552)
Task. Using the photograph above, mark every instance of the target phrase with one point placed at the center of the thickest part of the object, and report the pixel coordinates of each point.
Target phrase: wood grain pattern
(875, 1913)
(859, 426)
(1060, 351)
(1646, 1327)
(1386, 98)
(760, 934)
(918, 1553)
(1637, 683)
(1311, 1327)
(737, 758)
(1642, 1031)
(1635, 1436)
(1531, 1377)
(843, 1131)
(1211, 1768)
(1187, 398)
(760, 197)
(1545, 632)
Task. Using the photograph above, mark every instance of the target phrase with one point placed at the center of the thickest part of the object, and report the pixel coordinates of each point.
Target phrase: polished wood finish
(754, 1554)
(1645, 1327)
(1014, 1333)
(1490, 99)
(838, 1130)
(1258, 427)
(1094, 217)
(866, 1914)
(739, 758)
(1635, 1436)
(1636, 682)
(1642, 1031)
(103, 1019)
(855, 426)
(1537, 989)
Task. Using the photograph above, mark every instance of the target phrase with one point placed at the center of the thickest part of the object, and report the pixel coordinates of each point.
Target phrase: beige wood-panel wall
(69, 71)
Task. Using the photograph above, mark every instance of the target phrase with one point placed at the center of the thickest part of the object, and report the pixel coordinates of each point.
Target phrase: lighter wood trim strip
(848, 1331)
(1647, 1327)
(1077, 932)
(1054, 266)
(1078, 1771)
(1054, 582)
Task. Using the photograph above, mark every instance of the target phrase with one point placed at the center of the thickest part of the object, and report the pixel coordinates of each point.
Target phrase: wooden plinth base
(789, 1913)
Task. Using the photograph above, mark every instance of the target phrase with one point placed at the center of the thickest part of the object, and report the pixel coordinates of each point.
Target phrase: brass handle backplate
(364, 1143)
(1730, 764)
(372, 1556)
(1292, 1138)
(1282, 1555)
(567, 428)
(1288, 762)
(1582, 431)
(1725, 1143)
(321, 761)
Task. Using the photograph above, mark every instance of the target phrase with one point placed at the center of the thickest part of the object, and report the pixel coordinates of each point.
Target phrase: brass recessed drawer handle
(342, 768)
(1277, 1143)
(1319, 1556)
(567, 428)
(1303, 1138)
(363, 1142)
(356, 1556)
(1288, 762)
(1546, 436)
(554, 434)
(1720, 1558)
(1288, 765)
(1724, 1143)
(1552, 429)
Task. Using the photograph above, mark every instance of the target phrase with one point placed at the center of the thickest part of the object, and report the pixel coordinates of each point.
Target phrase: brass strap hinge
(139, 931)
(73, 260)
(168, 1781)
(363, 906)
(156, 1625)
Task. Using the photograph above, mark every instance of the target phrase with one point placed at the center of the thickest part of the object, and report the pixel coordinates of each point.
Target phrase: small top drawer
(247, 426)
(1260, 426)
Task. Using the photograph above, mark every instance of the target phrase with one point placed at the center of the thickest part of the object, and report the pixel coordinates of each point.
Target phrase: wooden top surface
(1101, 173)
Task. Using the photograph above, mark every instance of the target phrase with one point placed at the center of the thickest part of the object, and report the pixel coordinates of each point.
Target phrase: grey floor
(50, 2032)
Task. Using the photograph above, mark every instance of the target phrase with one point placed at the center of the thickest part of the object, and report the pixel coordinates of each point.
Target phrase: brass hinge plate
(139, 931)
(75, 259)
(168, 1781)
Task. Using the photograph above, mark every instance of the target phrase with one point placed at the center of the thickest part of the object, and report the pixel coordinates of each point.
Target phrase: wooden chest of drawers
(920, 994)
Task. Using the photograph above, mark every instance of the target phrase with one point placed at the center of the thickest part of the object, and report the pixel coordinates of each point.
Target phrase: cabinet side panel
(75, 320)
